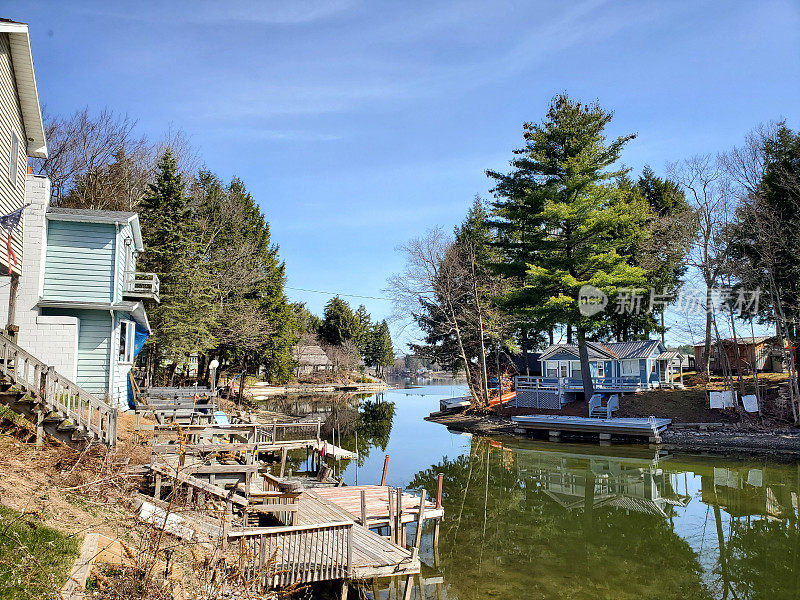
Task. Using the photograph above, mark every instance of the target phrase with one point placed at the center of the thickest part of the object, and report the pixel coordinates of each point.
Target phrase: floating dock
(556, 424)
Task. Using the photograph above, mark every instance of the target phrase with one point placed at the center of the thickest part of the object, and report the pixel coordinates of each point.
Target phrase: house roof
(671, 354)
(635, 349)
(136, 309)
(613, 350)
(311, 355)
(595, 351)
(25, 79)
(87, 215)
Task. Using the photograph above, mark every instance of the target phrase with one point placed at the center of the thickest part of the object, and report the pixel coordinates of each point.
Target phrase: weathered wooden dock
(377, 508)
(315, 535)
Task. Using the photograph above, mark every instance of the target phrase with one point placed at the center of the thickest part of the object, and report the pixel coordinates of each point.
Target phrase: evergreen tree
(578, 222)
(255, 325)
(338, 323)
(183, 320)
(363, 325)
(380, 351)
(659, 250)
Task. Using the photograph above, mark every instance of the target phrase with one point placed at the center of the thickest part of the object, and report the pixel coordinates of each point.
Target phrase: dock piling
(420, 520)
(385, 470)
(363, 508)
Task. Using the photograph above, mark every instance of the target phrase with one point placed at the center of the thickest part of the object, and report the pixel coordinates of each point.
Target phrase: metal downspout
(111, 366)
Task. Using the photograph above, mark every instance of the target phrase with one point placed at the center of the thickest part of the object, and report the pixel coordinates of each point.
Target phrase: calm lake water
(530, 519)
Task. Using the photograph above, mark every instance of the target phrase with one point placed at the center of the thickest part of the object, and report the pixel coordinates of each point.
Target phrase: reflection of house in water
(633, 484)
(749, 492)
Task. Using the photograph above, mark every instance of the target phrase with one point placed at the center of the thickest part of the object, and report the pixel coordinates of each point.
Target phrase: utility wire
(335, 293)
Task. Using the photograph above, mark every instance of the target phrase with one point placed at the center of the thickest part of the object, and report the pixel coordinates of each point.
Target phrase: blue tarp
(141, 335)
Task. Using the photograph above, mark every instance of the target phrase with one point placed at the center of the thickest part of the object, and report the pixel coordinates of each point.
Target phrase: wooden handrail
(278, 556)
(57, 393)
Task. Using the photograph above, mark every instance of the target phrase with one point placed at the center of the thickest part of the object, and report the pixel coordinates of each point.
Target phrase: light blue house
(80, 299)
(627, 366)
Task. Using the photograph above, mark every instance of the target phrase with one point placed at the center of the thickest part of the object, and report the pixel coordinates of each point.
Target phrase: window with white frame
(12, 160)
(127, 337)
(601, 369)
(630, 367)
(576, 369)
(552, 369)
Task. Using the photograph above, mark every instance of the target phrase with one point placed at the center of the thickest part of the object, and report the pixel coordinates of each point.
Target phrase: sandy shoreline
(716, 439)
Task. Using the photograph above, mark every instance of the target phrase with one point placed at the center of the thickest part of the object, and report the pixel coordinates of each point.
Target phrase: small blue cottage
(627, 366)
(80, 302)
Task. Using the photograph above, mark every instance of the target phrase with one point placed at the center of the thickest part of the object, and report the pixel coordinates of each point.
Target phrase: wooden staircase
(58, 406)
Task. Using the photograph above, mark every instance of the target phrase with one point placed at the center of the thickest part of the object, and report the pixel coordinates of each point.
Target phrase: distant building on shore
(311, 358)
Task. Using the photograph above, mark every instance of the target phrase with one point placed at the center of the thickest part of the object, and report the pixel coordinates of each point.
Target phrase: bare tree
(101, 162)
(440, 290)
(709, 192)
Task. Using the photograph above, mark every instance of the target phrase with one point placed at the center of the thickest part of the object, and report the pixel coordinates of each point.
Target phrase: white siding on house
(12, 194)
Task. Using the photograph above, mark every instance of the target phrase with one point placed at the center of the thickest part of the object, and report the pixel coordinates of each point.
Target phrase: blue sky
(358, 125)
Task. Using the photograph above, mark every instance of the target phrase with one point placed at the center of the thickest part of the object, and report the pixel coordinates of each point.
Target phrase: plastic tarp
(140, 337)
(750, 403)
(722, 399)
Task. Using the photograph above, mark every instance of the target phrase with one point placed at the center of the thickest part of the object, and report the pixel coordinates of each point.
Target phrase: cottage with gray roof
(640, 364)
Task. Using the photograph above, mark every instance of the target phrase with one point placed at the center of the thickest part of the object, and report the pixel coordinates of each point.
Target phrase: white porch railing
(57, 393)
(142, 285)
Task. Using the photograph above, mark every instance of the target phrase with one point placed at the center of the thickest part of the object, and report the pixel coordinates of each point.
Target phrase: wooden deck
(377, 504)
(372, 555)
(618, 426)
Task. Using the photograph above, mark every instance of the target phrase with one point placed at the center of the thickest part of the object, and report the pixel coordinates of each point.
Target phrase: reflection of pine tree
(375, 422)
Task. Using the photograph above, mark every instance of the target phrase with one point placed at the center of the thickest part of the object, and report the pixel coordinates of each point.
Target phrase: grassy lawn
(34, 559)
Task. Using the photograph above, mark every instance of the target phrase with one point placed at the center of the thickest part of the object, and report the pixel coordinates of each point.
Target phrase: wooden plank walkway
(373, 555)
(377, 504)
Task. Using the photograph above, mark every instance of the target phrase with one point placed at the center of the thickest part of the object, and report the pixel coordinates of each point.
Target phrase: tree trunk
(586, 375)
(707, 348)
(569, 334)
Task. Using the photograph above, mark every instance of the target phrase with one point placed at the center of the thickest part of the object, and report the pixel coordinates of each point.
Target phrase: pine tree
(565, 217)
(339, 323)
(363, 324)
(380, 351)
(182, 322)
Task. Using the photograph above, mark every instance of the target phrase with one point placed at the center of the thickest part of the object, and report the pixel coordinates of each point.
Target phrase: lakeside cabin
(615, 367)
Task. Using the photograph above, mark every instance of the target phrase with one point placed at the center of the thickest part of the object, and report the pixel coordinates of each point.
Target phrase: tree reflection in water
(563, 522)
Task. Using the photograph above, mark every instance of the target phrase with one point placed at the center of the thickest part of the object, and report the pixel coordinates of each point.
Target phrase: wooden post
(157, 492)
(409, 586)
(399, 516)
(39, 429)
(344, 589)
(226, 522)
(274, 430)
(363, 508)
(420, 520)
(439, 485)
(12, 330)
(376, 593)
(283, 460)
(385, 469)
(392, 535)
